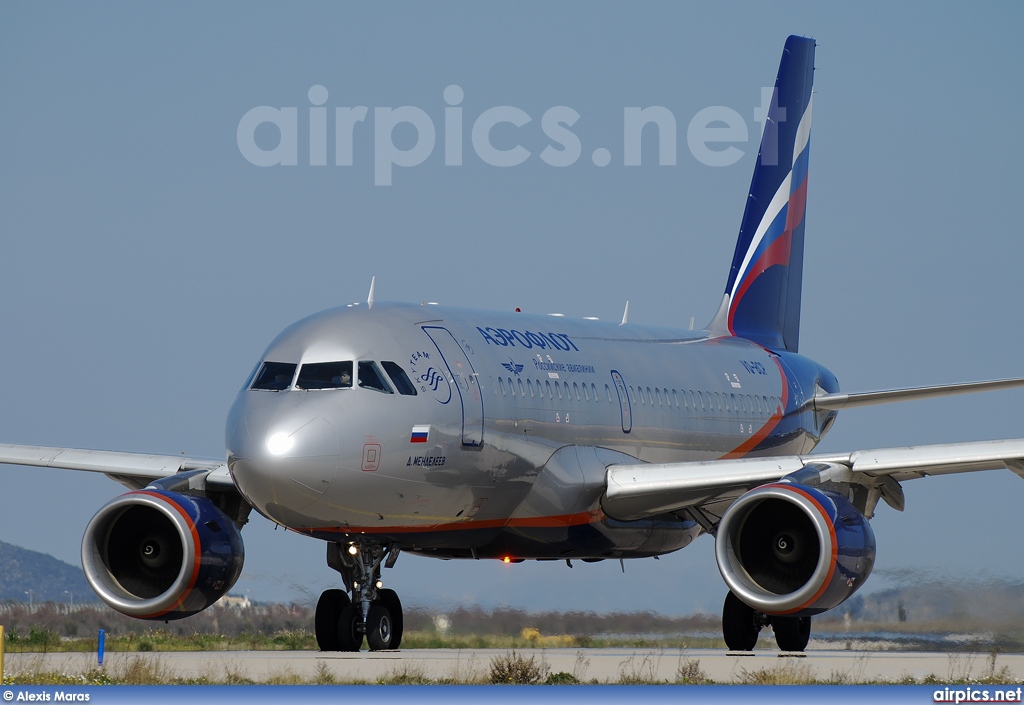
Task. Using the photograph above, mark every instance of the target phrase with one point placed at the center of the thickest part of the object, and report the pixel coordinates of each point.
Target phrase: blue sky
(146, 262)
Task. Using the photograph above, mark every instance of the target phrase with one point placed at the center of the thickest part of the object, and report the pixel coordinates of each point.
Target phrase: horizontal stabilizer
(835, 402)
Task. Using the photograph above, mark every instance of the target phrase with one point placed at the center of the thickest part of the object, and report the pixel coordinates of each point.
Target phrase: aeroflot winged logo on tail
(764, 282)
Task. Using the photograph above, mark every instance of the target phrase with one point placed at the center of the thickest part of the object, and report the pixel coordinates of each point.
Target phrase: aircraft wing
(135, 470)
(646, 490)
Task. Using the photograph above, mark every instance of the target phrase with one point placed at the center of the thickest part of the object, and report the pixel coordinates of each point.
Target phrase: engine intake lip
(97, 559)
(728, 548)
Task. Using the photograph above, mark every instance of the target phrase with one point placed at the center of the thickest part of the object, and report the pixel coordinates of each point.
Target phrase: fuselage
(480, 434)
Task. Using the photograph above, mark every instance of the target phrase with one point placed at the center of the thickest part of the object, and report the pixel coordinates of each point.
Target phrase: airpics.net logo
(711, 134)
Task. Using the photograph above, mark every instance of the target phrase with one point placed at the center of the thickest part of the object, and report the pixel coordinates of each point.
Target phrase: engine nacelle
(153, 554)
(789, 549)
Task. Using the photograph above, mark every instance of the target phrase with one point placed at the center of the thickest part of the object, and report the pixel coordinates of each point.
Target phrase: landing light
(379, 584)
(280, 443)
(353, 550)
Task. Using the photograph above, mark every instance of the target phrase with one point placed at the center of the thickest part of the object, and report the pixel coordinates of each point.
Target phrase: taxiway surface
(601, 665)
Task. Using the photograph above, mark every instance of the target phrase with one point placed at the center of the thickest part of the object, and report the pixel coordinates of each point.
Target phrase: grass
(513, 668)
(136, 670)
(42, 641)
(51, 627)
(138, 658)
(689, 672)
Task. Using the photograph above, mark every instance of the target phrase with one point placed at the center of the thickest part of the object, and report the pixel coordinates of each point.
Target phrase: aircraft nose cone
(280, 454)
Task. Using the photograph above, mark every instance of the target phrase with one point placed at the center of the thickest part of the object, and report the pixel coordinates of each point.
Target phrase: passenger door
(464, 379)
(625, 411)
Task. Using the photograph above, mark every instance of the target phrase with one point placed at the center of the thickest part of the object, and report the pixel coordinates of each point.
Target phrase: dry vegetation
(51, 627)
(511, 668)
(55, 627)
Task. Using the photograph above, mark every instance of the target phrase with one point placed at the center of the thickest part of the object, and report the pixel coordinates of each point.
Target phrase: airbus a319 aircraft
(387, 428)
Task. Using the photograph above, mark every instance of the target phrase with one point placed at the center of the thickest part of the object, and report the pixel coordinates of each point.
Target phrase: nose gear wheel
(364, 609)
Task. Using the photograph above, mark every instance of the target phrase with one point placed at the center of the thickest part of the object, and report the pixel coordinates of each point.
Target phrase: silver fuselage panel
(503, 449)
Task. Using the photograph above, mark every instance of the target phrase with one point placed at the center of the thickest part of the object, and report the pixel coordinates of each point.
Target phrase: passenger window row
(278, 376)
(685, 400)
(704, 402)
(550, 389)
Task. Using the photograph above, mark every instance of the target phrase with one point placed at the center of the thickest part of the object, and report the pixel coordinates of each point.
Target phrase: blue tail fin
(762, 298)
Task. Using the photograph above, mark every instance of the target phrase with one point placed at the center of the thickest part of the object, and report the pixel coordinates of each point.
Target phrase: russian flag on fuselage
(765, 279)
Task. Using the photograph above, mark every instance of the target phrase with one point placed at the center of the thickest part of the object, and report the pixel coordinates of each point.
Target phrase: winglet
(625, 315)
(369, 297)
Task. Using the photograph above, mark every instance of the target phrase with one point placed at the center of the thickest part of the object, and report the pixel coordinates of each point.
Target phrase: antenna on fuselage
(369, 297)
(625, 315)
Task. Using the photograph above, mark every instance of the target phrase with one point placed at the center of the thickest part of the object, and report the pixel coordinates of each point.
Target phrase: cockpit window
(274, 376)
(252, 376)
(325, 375)
(370, 378)
(402, 382)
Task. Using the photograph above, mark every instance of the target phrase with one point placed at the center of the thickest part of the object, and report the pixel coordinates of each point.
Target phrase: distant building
(238, 602)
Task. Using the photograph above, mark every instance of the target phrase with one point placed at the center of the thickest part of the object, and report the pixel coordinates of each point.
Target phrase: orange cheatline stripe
(552, 522)
(748, 445)
(835, 549)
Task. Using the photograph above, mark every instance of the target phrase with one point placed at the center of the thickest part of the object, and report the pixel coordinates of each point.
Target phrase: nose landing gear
(365, 608)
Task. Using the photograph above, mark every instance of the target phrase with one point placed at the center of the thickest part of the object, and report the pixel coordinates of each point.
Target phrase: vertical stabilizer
(762, 298)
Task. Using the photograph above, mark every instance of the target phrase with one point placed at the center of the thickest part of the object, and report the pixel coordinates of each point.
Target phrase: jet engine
(153, 554)
(789, 549)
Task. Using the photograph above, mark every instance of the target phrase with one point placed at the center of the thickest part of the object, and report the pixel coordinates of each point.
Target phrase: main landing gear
(364, 608)
(742, 624)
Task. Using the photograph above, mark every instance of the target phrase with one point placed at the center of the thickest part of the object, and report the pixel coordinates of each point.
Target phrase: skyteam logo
(431, 376)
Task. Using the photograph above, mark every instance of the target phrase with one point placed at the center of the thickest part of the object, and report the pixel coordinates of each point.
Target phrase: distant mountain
(22, 570)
